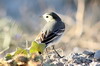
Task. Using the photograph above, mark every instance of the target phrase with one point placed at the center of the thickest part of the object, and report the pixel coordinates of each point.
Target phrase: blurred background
(20, 23)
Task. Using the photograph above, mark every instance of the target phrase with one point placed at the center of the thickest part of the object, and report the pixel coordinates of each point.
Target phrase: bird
(52, 31)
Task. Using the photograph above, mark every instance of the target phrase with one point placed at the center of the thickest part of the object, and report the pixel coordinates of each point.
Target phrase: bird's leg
(47, 52)
(56, 51)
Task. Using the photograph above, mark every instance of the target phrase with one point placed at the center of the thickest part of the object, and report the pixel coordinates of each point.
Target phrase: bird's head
(51, 17)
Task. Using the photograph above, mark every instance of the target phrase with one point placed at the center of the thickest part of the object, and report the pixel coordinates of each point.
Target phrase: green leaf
(21, 51)
(18, 51)
(8, 56)
(35, 47)
(41, 47)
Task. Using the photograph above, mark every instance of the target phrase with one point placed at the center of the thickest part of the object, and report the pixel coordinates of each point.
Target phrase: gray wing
(48, 36)
(52, 36)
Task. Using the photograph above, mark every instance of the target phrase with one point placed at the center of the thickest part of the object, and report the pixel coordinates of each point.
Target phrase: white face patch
(48, 17)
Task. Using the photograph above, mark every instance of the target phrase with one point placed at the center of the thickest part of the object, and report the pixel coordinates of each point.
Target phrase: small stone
(78, 61)
(60, 64)
(88, 53)
(88, 60)
(55, 56)
(97, 64)
(70, 65)
(93, 64)
(97, 55)
(64, 60)
(54, 62)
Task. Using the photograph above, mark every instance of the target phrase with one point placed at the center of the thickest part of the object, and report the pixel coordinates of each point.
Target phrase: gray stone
(97, 55)
(97, 64)
(88, 53)
(60, 64)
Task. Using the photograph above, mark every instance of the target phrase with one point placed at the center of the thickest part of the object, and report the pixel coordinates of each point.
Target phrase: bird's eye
(47, 16)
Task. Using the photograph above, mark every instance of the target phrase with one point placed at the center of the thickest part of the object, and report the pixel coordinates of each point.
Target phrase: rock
(60, 64)
(85, 58)
(97, 55)
(63, 60)
(70, 65)
(88, 61)
(94, 64)
(78, 61)
(97, 64)
(88, 53)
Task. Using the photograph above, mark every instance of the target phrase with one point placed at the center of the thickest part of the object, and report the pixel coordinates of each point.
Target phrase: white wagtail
(52, 31)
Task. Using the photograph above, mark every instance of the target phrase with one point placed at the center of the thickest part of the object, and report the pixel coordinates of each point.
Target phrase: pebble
(85, 58)
(88, 53)
(97, 55)
(97, 64)
(60, 64)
